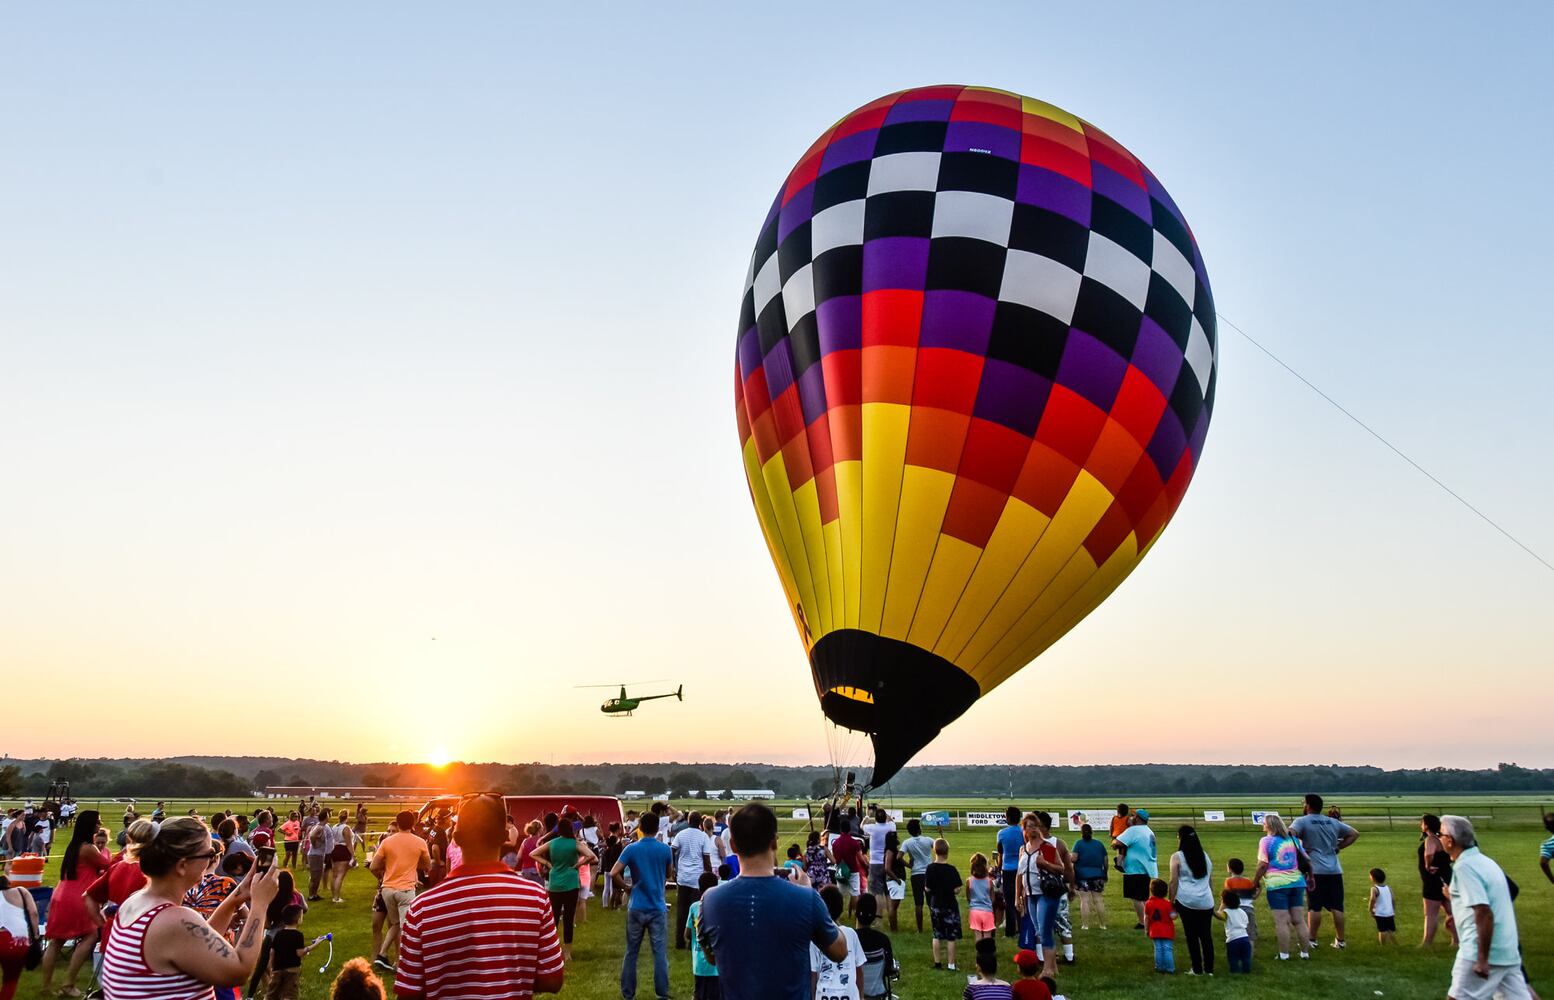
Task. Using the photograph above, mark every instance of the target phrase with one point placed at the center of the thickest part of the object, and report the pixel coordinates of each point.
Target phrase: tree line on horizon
(215, 777)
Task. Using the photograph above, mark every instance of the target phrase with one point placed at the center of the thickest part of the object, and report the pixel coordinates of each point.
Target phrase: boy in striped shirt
(483, 931)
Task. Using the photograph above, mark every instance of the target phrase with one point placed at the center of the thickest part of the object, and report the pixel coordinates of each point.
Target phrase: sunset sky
(365, 378)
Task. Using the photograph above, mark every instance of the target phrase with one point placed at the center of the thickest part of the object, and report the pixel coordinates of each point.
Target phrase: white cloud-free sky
(328, 330)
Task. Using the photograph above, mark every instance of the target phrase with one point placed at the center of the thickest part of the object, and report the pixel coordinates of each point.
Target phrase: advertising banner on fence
(896, 815)
(1258, 814)
(1214, 815)
(984, 819)
(801, 813)
(939, 818)
(1099, 819)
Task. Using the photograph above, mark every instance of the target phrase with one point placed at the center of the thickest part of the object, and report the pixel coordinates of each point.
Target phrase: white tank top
(1384, 901)
(1194, 892)
(13, 918)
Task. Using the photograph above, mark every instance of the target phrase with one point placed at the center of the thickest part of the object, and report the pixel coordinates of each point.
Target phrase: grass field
(1113, 963)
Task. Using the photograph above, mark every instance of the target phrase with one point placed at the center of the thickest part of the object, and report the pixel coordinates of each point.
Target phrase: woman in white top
(1193, 897)
(18, 920)
(341, 854)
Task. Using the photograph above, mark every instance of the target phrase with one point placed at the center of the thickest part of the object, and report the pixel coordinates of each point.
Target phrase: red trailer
(522, 808)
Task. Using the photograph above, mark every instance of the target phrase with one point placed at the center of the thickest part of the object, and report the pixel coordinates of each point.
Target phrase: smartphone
(264, 858)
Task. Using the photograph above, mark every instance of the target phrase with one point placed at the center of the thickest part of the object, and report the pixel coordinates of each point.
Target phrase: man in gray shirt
(919, 850)
(1323, 837)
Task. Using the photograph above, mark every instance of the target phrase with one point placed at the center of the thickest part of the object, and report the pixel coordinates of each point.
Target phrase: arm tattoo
(250, 931)
(213, 942)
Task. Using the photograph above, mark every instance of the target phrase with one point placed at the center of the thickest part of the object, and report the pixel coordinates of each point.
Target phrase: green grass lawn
(1113, 963)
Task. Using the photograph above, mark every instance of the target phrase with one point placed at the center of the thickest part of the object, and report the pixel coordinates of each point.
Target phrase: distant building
(751, 794)
(634, 793)
(349, 792)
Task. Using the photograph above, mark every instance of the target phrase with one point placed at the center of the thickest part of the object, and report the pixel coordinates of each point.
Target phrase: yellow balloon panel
(925, 493)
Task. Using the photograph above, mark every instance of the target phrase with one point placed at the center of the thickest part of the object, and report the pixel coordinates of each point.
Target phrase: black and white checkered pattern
(1046, 272)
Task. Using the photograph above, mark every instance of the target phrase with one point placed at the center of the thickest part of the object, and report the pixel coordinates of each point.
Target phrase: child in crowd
(1031, 985)
(979, 899)
(1244, 887)
(725, 872)
(875, 943)
(1160, 924)
(986, 985)
(287, 949)
(836, 980)
(707, 986)
(1382, 909)
(613, 848)
(895, 876)
(942, 881)
(795, 858)
(357, 981)
(1238, 945)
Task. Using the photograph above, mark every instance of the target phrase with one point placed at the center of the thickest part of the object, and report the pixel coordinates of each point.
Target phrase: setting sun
(439, 757)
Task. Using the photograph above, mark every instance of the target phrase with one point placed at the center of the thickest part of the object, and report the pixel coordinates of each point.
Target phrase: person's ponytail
(137, 837)
(171, 842)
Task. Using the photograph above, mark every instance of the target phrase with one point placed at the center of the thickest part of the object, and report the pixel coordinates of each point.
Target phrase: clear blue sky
(328, 329)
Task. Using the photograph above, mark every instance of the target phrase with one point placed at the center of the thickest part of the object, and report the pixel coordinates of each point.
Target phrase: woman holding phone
(161, 948)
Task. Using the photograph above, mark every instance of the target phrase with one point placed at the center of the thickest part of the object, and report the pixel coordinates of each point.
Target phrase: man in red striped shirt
(482, 931)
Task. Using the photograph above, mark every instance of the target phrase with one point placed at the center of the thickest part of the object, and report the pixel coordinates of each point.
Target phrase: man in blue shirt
(1489, 960)
(757, 929)
(1140, 862)
(648, 861)
(1006, 855)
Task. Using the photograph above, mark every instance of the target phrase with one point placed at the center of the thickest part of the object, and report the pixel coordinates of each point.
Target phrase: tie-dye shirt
(1283, 857)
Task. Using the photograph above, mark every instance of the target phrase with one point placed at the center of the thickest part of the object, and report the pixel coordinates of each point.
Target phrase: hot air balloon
(974, 373)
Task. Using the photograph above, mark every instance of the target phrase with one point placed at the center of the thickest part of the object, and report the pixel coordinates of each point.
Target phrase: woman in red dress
(68, 920)
(122, 880)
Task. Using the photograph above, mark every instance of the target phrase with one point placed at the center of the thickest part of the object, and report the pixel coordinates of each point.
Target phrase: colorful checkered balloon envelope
(975, 367)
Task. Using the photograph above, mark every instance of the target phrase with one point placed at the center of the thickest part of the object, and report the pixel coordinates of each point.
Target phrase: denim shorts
(1287, 898)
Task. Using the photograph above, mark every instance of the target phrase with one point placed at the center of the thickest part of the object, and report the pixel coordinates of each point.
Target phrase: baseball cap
(1026, 959)
(1141, 813)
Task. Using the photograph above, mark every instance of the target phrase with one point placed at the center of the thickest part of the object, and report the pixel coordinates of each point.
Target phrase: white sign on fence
(1099, 819)
(801, 814)
(984, 819)
(896, 815)
(1258, 814)
(1214, 815)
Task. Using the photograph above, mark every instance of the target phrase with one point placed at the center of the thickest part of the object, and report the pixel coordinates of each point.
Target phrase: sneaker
(1339, 945)
(1283, 957)
(382, 963)
(936, 965)
(1305, 955)
(951, 967)
(1137, 927)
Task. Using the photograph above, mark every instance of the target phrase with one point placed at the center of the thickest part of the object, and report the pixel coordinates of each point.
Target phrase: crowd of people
(470, 903)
